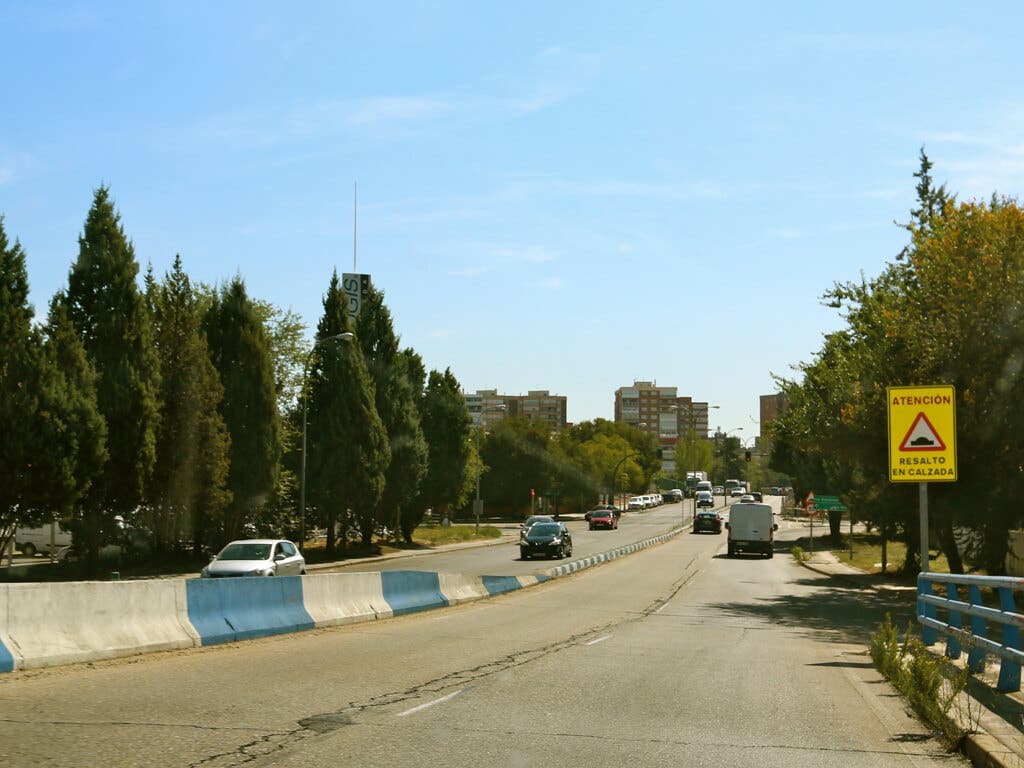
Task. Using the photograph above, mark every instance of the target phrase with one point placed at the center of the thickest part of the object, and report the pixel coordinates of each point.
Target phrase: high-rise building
(661, 412)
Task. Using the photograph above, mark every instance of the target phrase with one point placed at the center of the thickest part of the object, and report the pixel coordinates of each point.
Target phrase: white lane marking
(430, 704)
(599, 640)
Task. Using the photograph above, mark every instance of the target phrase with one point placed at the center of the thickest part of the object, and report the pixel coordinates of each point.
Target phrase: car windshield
(544, 529)
(245, 552)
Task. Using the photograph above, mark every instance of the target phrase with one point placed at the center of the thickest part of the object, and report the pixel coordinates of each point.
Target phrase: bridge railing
(977, 635)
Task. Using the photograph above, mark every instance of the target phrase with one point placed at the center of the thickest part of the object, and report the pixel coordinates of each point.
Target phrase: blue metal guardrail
(977, 638)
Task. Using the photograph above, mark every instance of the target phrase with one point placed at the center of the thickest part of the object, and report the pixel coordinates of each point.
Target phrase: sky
(558, 196)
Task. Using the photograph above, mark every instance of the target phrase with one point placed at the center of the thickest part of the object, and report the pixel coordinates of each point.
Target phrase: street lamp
(615, 472)
(478, 504)
(347, 336)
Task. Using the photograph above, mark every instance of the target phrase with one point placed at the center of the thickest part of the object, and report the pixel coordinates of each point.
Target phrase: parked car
(256, 557)
(637, 503)
(705, 499)
(47, 539)
(546, 540)
(603, 518)
(707, 520)
(531, 520)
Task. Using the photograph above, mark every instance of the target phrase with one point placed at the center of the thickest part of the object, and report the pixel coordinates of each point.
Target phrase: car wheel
(770, 554)
(731, 551)
(570, 550)
(302, 572)
(28, 550)
(523, 555)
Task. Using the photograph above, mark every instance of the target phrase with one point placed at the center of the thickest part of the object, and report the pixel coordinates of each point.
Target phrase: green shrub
(929, 683)
(798, 554)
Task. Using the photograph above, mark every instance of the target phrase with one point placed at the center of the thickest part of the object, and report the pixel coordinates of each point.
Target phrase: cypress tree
(190, 483)
(19, 357)
(446, 426)
(108, 312)
(241, 354)
(396, 398)
(347, 444)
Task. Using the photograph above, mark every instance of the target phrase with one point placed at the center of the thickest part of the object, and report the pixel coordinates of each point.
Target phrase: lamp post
(615, 473)
(347, 336)
(478, 504)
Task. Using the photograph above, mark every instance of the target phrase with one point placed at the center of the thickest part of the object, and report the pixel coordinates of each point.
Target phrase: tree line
(178, 408)
(948, 309)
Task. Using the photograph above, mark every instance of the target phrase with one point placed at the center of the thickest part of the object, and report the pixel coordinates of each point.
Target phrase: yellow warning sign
(922, 434)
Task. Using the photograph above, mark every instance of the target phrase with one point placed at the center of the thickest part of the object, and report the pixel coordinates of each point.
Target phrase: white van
(637, 503)
(751, 528)
(47, 539)
(704, 485)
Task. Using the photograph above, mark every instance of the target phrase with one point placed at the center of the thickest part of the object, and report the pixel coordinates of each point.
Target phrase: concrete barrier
(344, 598)
(62, 623)
(46, 624)
(411, 591)
(6, 657)
(225, 610)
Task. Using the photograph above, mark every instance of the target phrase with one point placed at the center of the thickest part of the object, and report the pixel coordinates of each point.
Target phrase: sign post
(922, 442)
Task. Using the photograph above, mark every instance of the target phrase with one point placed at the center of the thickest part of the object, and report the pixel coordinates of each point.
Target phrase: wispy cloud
(488, 258)
(392, 110)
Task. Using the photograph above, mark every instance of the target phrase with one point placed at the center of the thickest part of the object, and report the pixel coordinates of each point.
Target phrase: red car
(603, 518)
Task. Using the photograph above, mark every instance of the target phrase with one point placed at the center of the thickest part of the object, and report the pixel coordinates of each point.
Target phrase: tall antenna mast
(355, 221)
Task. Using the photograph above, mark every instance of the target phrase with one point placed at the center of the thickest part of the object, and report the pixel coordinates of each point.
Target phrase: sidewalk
(992, 719)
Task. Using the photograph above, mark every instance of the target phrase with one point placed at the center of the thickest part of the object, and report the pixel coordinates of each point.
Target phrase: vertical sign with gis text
(355, 287)
(922, 434)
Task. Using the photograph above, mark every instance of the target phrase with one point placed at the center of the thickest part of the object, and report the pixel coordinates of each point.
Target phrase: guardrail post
(1009, 671)
(976, 656)
(953, 639)
(929, 635)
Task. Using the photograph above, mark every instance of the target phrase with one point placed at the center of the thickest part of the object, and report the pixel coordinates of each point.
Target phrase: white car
(637, 503)
(256, 557)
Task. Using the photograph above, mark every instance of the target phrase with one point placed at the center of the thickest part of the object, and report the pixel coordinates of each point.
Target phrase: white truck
(751, 528)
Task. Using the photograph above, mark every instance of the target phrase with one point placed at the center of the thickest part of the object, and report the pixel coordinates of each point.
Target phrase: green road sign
(829, 504)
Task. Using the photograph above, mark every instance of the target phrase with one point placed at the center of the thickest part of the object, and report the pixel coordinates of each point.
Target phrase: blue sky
(561, 196)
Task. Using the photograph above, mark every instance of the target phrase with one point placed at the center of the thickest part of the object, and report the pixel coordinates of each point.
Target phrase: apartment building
(487, 407)
(663, 413)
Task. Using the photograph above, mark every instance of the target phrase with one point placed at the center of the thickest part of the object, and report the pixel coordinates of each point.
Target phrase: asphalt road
(675, 655)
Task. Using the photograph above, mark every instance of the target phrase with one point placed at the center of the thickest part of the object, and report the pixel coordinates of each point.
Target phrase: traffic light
(747, 455)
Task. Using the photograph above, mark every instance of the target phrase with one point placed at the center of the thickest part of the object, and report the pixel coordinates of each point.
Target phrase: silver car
(256, 557)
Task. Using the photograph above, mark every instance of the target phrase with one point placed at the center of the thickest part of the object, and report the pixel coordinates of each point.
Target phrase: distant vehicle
(602, 507)
(47, 539)
(707, 520)
(705, 499)
(757, 496)
(256, 557)
(751, 529)
(531, 520)
(637, 502)
(546, 540)
(736, 491)
(704, 485)
(718, 491)
(603, 518)
(746, 498)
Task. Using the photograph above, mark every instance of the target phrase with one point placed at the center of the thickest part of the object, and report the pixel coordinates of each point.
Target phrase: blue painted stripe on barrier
(6, 659)
(411, 591)
(224, 610)
(497, 585)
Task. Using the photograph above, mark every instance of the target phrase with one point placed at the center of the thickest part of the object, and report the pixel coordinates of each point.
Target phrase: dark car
(757, 496)
(707, 520)
(603, 518)
(531, 520)
(546, 540)
(705, 499)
